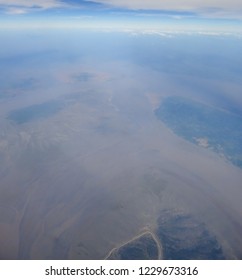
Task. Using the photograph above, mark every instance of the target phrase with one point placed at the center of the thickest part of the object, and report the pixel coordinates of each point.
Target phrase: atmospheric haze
(120, 144)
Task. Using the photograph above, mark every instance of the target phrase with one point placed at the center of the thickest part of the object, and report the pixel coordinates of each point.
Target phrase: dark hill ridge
(184, 238)
(204, 125)
(143, 247)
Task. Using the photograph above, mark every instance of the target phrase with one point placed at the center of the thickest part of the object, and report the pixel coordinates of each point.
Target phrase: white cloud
(179, 5)
(16, 11)
(208, 8)
(223, 7)
(43, 4)
(174, 4)
(18, 7)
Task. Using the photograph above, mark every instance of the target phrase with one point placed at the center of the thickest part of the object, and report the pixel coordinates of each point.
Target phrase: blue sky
(150, 13)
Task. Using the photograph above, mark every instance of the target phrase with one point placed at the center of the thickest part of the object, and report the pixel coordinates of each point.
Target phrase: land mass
(204, 125)
(145, 246)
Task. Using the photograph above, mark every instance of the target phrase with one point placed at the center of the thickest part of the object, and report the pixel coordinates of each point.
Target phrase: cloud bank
(207, 8)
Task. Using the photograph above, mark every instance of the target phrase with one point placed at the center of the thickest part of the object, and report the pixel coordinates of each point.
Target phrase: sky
(207, 14)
